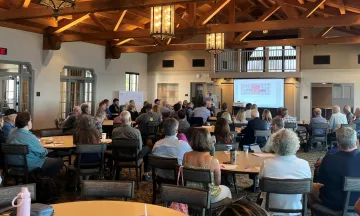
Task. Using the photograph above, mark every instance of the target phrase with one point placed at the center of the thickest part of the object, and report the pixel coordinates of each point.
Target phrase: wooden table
(211, 128)
(62, 142)
(111, 123)
(213, 118)
(246, 163)
(301, 123)
(98, 208)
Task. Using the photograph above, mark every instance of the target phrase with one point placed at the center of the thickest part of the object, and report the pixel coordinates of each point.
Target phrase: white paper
(228, 166)
(263, 155)
(255, 148)
(52, 145)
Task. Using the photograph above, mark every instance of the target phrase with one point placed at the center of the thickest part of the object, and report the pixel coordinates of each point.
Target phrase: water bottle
(233, 156)
(23, 202)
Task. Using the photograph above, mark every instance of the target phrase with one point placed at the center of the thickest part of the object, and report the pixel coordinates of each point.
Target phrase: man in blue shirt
(333, 169)
(202, 112)
(9, 122)
(318, 119)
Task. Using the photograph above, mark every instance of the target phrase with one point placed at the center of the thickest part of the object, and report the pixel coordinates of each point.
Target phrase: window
(76, 87)
(281, 59)
(198, 63)
(325, 59)
(132, 81)
(15, 80)
(168, 63)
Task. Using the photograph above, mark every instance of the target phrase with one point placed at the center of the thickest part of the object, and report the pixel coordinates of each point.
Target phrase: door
(227, 95)
(343, 94)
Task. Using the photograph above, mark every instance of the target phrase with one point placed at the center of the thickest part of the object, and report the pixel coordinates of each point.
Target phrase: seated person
(266, 116)
(356, 120)
(86, 133)
(224, 108)
(183, 123)
(69, 125)
(336, 120)
(241, 117)
(156, 109)
(100, 116)
(318, 119)
(174, 113)
(2, 140)
(143, 110)
(286, 117)
(334, 167)
(254, 124)
(200, 158)
(164, 109)
(143, 120)
(222, 132)
(347, 112)
(243, 208)
(285, 166)
(125, 131)
(277, 125)
(114, 108)
(36, 158)
(202, 112)
(210, 108)
(107, 110)
(9, 121)
(132, 109)
(170, 146)
(248, 110)
(189, 109)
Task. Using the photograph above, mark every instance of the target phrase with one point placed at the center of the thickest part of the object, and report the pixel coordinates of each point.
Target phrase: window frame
(131, 74)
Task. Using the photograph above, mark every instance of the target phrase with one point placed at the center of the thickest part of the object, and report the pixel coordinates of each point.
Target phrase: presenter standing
(213, 99)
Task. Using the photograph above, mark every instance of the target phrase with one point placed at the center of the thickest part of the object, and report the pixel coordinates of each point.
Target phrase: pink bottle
(23, 202)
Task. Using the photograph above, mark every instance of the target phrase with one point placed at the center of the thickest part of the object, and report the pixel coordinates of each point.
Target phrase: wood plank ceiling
(123, 26)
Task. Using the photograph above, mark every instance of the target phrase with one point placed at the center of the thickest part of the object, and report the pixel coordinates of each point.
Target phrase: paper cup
(103, 136)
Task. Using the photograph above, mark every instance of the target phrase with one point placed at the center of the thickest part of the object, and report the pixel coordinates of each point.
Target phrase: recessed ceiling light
(323, 83)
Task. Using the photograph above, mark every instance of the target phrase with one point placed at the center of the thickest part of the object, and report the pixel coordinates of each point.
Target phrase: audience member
(286, 117)
(132, 110)
(318, 119)
(170, 146)
(100, 115)
(125, 131)
(86, 133)
(222, 132)
(69, 125)
(224, 108)
(2, 139)
(202, 112)
(334, 167)
(357, 206)
(277, 124)
(200, 158)
(356, 120)
(143, 110)
(212, 99)
(180, 102)
(248, 110)
(85, 109)
(143, 120)
(189, 109)
(210, 108)
(164, 109)
(266, 116)
(156, 109)
(9, 121)
(243, 208)
(117, 120)
(184, 104)
(336, 120)
(183, 123)
(241, 117)
(37, 154)
(157, 102)
(174, 113)
(114, 108)
(225, 114)
(254, 124)
(347, 112)
(107, 110)
(285, 166)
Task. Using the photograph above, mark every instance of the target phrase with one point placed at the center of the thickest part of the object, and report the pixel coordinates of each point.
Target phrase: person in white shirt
(336, 120)
(170, 146)
(277, 124)
(285, 166)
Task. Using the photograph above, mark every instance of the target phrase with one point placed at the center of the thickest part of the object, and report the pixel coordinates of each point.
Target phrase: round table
(98, 208)
(62, 142)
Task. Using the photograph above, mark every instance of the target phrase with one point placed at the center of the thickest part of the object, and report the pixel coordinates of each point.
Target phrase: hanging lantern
(162, 22)
(215, 43)
(57, 5)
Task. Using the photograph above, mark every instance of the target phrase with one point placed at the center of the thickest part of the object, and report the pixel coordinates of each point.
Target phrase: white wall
(27, 47)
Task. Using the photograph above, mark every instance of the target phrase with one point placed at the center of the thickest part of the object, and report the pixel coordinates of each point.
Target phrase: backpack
(46, 189)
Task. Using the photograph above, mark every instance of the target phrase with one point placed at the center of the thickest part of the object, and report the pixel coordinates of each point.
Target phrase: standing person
(100, 115)
(200, 158)
(114, 108)
(248, 111)
(336, 120)
(157, 102)
(266, 116)
(69, 125)
(241, 117)
(347, 112)
(202, 112)
(143, 120)
(9, 121)
(107, 110)
(143, 110)
(36, 158)
(86, 133)
(132, 110)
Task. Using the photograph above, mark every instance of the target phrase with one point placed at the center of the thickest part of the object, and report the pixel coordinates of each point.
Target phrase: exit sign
(3, 51)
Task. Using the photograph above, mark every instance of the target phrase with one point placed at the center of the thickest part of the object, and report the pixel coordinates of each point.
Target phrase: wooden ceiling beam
(119, 20)
(329, 11)
(211, 13)
(180, 21)
(20, 3)
(140, 13)
(23, 27)
(97, 21)
(301, 1)
(350, 6)
(341, 6)
(311, 10)
(152, 48)
(323, 32)
(66, 24)
(232, 18)
(263, 18)
(124, 20)
(192, 14)
(89, 7)
(46, 21)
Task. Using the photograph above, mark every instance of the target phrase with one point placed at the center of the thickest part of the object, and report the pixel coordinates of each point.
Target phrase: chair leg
(234, 180)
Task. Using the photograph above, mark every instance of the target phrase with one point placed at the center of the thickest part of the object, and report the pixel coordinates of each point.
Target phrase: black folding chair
(15, 168)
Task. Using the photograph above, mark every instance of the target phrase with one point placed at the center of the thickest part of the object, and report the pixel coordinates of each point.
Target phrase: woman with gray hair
(285, 166)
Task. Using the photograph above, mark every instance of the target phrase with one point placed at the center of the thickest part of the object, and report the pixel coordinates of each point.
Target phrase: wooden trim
(211, 13)
(66, 24)
(323, 32)
(97, 21)
(122, 14)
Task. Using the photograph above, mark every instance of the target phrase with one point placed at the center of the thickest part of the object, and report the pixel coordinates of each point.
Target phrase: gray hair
(254, 113)
(171, 126)
(125, 117)
(77, 109)
(336, 109)
(346, 138)
(317, 111)
(286, 143)
(279, 122)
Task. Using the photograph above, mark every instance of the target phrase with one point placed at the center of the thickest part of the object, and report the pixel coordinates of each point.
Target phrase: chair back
(290, 125)
(193, 197)
(196, 121)
(125, 149)
(318, 126)
(261, 133)
(240, 125)
(351, 184)
(153, 127)
(107, 189)
(50, 133)
(162, 163)
(8, 194)
(15, 150)
(82, 149)
(286, 186)
(197, 175)
(352, 126)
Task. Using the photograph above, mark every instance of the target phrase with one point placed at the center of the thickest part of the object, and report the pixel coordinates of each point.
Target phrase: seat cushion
(324, 210)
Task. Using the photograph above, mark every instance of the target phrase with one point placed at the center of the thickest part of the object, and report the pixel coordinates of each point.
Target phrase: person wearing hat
(157, 102)
(9, 121)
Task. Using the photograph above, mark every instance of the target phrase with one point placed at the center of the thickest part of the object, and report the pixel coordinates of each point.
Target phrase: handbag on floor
(181, 207)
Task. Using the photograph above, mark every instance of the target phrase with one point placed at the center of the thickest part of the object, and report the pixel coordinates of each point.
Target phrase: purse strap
(180, 173)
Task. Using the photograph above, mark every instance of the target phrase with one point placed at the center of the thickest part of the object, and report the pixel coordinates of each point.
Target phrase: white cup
(103, 136)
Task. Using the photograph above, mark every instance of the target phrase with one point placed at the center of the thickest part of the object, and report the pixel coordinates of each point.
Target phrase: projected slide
(267, 93)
